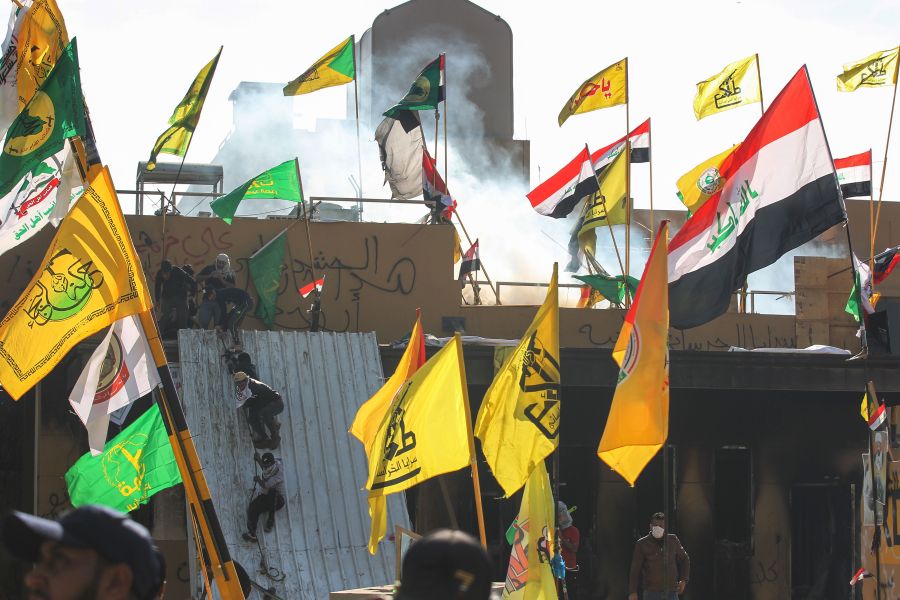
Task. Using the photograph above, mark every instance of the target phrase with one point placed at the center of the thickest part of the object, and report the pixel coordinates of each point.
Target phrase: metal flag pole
(650, 161)
(871, 222)
(486, 276)
(444, 74)
(359, 205)
(870, 388)
(887, 144)
(627, 188)
(608, 224)
(762, 109)
(473, 460)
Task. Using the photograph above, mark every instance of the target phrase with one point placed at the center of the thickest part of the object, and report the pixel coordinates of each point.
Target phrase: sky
(138, 58)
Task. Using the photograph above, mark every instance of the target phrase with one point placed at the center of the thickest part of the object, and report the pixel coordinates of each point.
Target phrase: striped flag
(859, 576)
(780, 192)
(316, 285)
(470, 263)
(854, 174)
(885, 263)
(640, 148)
(873, 412)
(557, 196)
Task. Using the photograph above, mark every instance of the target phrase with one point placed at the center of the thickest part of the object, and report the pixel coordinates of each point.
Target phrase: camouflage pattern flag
(90, 278)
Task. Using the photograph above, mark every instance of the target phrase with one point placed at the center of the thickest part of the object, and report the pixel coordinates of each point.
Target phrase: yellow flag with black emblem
(638, 421)
(697, 185)
(90, 277)
(424, 433)
(607, 88)
(735, 85)
(518, 422)
(608, 205)
(876, 70)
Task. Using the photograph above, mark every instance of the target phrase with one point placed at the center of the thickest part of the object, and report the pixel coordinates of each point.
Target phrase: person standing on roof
(261, 404)
(171, 289)
(268, 493)
(217, 275)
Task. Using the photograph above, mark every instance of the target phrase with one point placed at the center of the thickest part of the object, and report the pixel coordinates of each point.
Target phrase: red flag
(316, 285)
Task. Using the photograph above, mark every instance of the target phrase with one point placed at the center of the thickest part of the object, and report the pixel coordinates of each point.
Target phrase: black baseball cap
(113, 535)
(445, 565)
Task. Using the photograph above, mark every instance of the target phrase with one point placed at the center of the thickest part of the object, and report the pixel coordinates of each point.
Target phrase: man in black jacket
(659, 564)
(262, 403)
(171, 289)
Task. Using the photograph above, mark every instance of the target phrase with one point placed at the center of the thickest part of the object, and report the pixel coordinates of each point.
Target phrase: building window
(734, 495)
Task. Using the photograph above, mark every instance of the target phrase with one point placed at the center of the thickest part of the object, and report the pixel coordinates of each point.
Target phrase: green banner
(265, 270)
(426, 92)
(55, 113)
(612, 288)
(134, 465)
(281, 183)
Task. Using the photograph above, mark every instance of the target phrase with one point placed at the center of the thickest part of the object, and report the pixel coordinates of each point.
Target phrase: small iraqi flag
(877, 418)
(854, 174)
(859, 576)
(470, 263)
(316, 285)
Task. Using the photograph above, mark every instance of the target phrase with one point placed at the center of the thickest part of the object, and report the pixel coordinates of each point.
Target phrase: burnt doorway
(821, 541)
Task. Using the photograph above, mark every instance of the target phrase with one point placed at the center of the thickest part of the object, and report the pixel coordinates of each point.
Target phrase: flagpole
(887, 144)
(650, 157)
(316, 308)
(486, 276)
(358, 144)
(870, 388)
(627, 189)
(608, 224)
(871, 223)
(473, 462)
(762, 110)
(444, 73)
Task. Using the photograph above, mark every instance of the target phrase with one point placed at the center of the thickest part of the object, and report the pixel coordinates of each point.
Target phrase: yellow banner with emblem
(608, 205)
(90, 277)
(735, 85)
(518, 422)
(607, 88)
(876, 70)
(697, 185)
(424, 432)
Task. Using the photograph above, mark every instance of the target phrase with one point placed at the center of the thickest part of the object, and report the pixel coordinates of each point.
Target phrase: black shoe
(269, 525)
(250, 536)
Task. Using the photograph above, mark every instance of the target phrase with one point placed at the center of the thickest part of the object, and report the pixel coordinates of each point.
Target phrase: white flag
(32, 203)
(120, 371)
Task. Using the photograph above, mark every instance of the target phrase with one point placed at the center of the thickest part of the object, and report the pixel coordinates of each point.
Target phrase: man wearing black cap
(268, 493)
(91, 553)
(262, 404)
(445, 565)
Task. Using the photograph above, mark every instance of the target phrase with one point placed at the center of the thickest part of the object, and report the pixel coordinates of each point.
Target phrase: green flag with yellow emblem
(281, 182)
(265, 271)
(134, 465)
(337, 67)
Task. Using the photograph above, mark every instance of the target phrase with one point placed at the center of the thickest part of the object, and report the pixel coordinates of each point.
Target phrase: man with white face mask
(654, 554)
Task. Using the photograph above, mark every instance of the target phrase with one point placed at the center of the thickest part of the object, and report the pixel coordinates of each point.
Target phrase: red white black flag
(885, 263)
(558, 196)
(854, 173)
(316, 286)
(434, 190)
(640, 148)
(780, 192)
(470, 263)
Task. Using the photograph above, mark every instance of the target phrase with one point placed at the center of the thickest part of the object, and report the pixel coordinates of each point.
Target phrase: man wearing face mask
(648, 564)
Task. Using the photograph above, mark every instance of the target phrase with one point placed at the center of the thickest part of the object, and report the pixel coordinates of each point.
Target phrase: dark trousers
(173, 315)
(261, 416)
(235, 317)
(268, 502)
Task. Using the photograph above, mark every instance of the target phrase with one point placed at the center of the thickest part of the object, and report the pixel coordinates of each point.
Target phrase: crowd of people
(205, 300)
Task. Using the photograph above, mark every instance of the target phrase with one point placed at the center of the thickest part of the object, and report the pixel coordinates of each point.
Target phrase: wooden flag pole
(627, 189)
(871, 223)
(473, 464)
(486, 276)
(887, 144)
(762, 109)
(316, 308)
(358, 144)
(608, 224)
(870, 389)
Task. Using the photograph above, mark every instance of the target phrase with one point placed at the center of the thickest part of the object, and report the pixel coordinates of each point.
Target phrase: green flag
(54, 113)
(265, 270)
(176, 139)
(134, 465)
(335, 68)
(426, 92)
(281, 182)
(612, 288)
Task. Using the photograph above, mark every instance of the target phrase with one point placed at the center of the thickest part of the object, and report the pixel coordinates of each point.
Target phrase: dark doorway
(733, 521)
(821, 541)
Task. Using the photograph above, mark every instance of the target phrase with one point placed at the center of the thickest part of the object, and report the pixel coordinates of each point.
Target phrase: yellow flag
(864, 408)
(529, 576)
(736, 85)
(424, 432)
(697, 185)
(176, 139)
(90, 277)
(518, 422)
(876, 70)
(337, 67)
(42, 38)
(638, 421)
(607, 88)
(607, 204)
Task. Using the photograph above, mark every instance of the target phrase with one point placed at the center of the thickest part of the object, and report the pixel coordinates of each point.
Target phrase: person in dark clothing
(171, 290)
(209, 313)
(235, 304)
(652, 554)
(262, 404)
(569, 542)
(192, 299)
(268, 493)
(238, 360)
(217, 275)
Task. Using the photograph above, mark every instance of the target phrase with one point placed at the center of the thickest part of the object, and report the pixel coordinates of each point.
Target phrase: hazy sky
(138, 58)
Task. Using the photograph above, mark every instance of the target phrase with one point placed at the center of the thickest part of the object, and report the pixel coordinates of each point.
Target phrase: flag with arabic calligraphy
(281, 183)
(876, 70)
(735, 85)
(607, 88)
(780, 191)
(134, 465)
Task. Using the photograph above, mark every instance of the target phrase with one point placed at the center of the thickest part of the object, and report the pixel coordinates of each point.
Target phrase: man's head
(267, 459)
(91, 553)
(658, 525)
(222, 262)
(445, 565)
(165, 269)
(240, 379)
(563, 518)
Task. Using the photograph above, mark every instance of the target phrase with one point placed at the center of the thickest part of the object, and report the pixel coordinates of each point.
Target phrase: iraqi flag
(316, 286)
(640, 148)
(780, 192)
(859, 576)
(558, 196)
(434, 190)
(120, 371)
(470, 263)
(854, 173)
(885, 263)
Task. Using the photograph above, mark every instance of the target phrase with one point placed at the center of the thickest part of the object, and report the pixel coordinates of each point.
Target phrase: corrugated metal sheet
(319, 540)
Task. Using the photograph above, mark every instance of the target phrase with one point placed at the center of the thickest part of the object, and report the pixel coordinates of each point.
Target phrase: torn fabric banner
(557, 197)
(401, 143)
